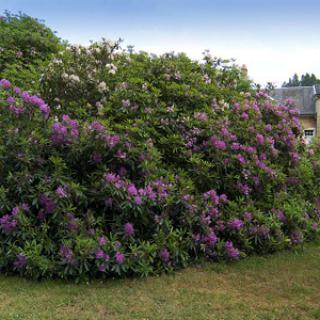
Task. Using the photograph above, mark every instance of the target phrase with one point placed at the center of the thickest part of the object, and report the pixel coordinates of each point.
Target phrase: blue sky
(273, 38)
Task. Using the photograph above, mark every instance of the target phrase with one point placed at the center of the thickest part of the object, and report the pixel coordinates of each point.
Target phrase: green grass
(282, 286)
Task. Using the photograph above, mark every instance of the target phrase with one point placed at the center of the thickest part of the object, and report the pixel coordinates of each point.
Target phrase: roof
(303, 96)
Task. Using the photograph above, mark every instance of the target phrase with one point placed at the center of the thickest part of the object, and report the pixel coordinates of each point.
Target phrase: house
(307, 100)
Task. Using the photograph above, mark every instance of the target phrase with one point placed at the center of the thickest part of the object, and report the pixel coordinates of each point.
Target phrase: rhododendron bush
(131, 163)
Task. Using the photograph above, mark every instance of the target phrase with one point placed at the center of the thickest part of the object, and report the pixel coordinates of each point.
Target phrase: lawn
(282, 286)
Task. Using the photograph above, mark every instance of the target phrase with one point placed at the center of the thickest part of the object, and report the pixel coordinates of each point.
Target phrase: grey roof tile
(304, 97)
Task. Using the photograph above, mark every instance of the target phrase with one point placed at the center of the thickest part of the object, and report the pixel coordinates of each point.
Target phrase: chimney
(244, 71)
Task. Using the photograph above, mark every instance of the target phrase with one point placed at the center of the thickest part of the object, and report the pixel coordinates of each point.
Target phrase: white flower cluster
(112, 68)
(57, 61)
(72, 77)
(102, 87)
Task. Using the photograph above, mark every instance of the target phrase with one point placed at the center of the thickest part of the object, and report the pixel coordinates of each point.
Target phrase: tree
(26, 44)
(305, 80)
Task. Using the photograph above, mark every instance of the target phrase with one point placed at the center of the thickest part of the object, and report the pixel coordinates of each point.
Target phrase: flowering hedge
(143, 164)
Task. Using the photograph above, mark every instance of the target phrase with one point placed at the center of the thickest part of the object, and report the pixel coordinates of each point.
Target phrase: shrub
(143, 164)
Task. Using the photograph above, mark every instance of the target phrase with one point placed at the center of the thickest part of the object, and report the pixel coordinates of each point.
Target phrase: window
(309, 134)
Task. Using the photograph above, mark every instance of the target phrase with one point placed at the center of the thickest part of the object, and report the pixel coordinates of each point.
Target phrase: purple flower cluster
(111, 140)
(19, 104)
(65, 132)
(72, 224)
(59, 133)
(128, 229)
(294, 157)
(210, 240)
(20, 261)
(164, 255)
(261, 165)
(215, 198)
(6, 84)
(8, 223)
(235, 224)
(218, 144)
(247, 216)
(260, 230)
(260, 138)
(102, 241)
(156, 190)
(296, 237)
(201, 116)
(97, 127)
(47, 203)
(119, 257)
(244, 188)
(36, 101)
(67, 254)
(61, 192)
(279, 214)
(232, 252)
(241, 159)
(101, 255)
(101, 134)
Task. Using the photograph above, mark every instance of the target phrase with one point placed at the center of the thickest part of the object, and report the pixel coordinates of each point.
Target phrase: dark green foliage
(26, 45)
